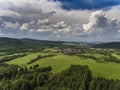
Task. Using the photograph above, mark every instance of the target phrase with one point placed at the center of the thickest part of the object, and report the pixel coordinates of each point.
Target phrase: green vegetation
(9, 58)
(40, 57)
(115, 45)
(61, 62)
(48, 65)
(24, 60)
(75, 78)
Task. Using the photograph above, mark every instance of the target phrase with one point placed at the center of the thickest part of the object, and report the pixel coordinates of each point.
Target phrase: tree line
(9, 58)
(77, 77)
(104, 58)
(40, 57)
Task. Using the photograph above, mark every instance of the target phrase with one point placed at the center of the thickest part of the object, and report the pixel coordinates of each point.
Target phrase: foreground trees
(75, 78)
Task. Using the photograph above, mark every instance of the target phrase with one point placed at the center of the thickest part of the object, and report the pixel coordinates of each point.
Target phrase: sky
(62, 20)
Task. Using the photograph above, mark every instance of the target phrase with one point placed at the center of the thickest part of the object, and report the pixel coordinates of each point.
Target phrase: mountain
(108, 45)
(26, 44)
(4, 41)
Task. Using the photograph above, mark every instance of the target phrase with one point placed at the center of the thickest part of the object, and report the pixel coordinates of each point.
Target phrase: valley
(33, 55)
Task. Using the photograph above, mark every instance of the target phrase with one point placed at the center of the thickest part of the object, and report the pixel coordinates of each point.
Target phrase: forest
(34, 78)
(27, 64)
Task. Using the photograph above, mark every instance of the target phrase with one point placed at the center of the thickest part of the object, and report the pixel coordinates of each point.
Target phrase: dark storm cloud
(88, 4)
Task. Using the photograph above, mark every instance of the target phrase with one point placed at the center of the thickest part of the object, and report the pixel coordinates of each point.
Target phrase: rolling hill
(108, 45)
(25, 44)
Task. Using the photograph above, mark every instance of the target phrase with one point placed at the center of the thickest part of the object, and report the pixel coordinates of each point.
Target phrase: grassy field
(61, 62)
(26, 59)
(117, 56)
(2, 56)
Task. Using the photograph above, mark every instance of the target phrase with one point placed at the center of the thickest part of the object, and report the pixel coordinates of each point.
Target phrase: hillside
(4, 41)
(39, 64)
(13, 45)
(57, 54)
(108, 45)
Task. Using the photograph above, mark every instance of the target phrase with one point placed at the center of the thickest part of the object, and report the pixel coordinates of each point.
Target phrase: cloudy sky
(69, 20)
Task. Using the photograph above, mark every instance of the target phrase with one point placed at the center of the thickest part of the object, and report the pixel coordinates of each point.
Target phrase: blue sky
(69, 20)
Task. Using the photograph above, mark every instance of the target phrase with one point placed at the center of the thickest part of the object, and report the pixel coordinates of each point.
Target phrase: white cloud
(114, 12)
(97, 19)
(43, 17)
(25, 27)
(43, 22)
(100, 25)
(9, 13)
(60, 25)
(10, 25)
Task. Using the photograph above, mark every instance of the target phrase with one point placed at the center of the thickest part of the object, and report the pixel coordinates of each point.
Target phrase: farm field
(45, 65)
(61, 62)
(24, 60)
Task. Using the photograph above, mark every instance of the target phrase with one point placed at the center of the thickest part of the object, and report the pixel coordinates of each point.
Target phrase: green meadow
(60, 62)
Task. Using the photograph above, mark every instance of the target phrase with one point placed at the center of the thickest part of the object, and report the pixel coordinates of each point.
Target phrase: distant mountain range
(108, 45)
(26, 44)
(32, 43)
(4, 41)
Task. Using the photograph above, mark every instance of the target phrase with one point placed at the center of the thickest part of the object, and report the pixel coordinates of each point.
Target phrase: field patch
(108, 70)
(24, 60)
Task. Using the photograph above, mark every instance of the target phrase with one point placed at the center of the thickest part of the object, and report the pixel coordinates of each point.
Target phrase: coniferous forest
(77, 77)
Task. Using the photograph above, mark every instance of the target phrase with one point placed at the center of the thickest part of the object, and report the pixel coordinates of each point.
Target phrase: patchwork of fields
(61, 61)
(101, 62)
